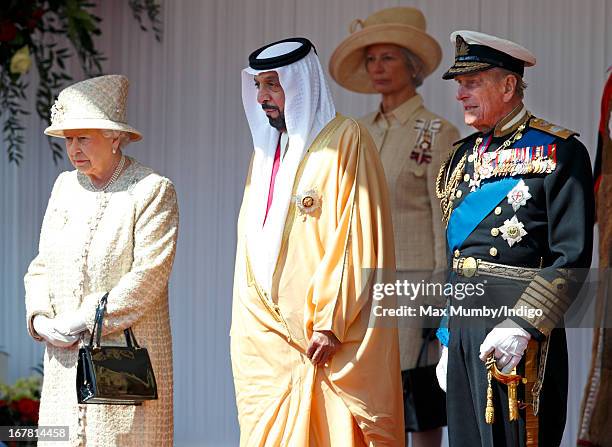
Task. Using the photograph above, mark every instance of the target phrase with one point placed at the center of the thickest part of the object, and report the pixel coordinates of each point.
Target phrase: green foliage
(153, 11)
(24, 388)
(51, 31)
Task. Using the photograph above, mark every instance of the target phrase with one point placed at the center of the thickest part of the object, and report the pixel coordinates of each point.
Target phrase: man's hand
(45, 327)
(508, 341)
(322, 347)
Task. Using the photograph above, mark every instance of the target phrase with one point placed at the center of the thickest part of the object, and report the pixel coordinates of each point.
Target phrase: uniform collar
(511, 121)
(402, 113)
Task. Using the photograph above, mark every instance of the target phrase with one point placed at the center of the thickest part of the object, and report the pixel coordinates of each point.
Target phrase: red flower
(27, 409)
(33, 21)
(38, 13)
(8, 31)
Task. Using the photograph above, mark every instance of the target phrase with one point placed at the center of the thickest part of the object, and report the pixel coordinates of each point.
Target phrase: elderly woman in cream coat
(110, 226)
(391, 55)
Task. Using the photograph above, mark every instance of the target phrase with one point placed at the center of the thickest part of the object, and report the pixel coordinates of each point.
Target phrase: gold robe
(356, 400)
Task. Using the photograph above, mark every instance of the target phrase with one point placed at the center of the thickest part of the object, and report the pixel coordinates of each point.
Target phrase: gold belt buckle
(469, 267)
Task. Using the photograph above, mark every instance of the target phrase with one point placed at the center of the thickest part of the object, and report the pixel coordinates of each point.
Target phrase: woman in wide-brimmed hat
(110, 226)
(390, 53)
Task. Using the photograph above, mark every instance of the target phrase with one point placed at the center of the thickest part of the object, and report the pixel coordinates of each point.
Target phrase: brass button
(471, 158)
(457, 253)
(494, 232)
(466, 178)
(498, 210)
(459, 193)
(493, 251)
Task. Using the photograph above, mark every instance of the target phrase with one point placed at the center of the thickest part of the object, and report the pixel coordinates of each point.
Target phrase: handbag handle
(96, 333)
(427, 337)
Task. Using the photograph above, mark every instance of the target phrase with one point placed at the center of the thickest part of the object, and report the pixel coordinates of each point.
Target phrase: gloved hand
(508, 341)
(69, 324)
(45, 327)
(441, 369)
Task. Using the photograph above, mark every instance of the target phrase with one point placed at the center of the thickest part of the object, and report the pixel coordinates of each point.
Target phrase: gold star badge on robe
(308, 202)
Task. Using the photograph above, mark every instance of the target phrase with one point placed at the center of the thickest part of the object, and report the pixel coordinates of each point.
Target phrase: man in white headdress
(311, 366)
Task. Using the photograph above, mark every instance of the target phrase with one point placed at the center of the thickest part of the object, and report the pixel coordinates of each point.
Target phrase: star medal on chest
(308, 202)
(519, 195)
(513, 231)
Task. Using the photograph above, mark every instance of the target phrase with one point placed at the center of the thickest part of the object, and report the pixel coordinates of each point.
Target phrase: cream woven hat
(402, 26)
(97, 103)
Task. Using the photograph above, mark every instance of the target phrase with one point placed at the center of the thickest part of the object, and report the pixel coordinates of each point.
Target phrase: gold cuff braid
(549, 297)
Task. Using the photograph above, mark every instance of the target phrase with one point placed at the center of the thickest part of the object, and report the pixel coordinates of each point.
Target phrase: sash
(474, 208)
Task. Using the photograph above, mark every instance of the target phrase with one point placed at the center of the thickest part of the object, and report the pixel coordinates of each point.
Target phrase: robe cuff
(329, 327)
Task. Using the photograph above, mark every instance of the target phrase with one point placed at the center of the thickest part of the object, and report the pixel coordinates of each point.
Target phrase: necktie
(275, 167)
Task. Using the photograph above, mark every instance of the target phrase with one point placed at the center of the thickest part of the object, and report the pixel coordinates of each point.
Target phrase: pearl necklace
(113, 178)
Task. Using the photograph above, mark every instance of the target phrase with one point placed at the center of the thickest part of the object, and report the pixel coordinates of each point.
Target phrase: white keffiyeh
(308, 109)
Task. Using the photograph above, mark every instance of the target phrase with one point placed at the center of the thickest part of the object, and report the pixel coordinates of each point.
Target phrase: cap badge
(461, 47)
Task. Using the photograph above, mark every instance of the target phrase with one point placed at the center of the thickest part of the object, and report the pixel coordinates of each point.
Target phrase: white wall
(185, 98)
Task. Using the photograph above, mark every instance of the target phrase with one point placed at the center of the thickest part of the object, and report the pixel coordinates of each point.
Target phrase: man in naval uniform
(517, 200)
(311, 366)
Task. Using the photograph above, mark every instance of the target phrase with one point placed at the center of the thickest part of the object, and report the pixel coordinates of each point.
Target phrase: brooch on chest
(308, 202)
(518, 195)
(512, 231)
(427, 131)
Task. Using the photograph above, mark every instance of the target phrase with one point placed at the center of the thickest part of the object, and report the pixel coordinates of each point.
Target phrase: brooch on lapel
(308, 202)
(519, 195)
(427, 131)
(512, 231)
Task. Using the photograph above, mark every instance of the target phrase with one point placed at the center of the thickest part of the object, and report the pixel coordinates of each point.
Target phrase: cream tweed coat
(123, 241)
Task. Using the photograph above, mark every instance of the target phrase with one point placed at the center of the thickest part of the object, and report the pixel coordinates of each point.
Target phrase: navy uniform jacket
(538, 213)
(557, 214)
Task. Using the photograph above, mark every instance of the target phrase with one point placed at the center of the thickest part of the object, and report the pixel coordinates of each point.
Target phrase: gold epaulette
(553, 129)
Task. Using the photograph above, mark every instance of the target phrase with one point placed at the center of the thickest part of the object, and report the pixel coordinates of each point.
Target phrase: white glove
(508, 341)
(69, 324)
(45, 327)
(441, 368)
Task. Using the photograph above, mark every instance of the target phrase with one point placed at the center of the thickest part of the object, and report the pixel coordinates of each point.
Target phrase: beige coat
(122, 241)
(411, 158)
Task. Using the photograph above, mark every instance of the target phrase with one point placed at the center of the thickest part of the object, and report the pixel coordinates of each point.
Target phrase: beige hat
(401, 26)
(97, 103)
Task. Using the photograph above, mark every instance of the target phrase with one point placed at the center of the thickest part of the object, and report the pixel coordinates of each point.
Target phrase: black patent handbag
(114, 375)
